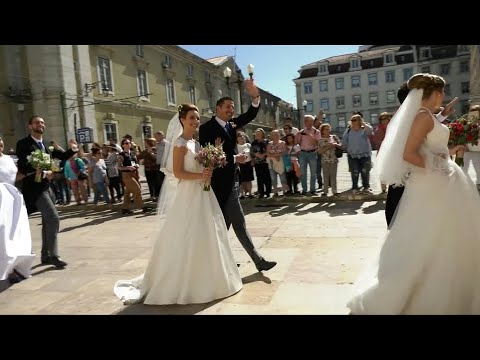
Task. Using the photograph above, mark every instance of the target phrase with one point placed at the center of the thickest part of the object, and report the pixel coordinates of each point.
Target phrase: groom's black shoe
(55, 261)
(265, 265)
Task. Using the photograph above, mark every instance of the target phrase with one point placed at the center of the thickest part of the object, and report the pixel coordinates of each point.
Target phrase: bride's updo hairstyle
(428, 82)
(184, 109)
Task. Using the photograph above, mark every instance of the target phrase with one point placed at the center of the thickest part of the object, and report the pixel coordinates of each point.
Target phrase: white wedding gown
(191, 261)
(429, 261)
(15, 238)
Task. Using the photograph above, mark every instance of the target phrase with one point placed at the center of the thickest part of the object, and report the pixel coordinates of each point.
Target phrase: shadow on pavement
(141, 309)
(4, 285)
(95, 219)
(258, 276)
(334, 209)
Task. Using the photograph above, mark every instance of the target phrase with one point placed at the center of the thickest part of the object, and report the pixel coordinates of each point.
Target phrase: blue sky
(275, 65)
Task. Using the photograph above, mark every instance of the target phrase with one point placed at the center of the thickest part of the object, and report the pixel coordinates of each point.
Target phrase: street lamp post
(304, 103)
(239, 83)
(227, 73)
(250, 68)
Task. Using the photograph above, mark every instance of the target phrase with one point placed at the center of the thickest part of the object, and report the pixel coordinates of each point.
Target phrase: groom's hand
(449, 110)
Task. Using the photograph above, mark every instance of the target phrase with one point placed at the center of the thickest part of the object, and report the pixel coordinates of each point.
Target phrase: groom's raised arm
(252, 111)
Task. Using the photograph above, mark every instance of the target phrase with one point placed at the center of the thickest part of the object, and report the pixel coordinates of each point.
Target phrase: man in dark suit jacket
(38, 195)
(225, 182)
(394, 194)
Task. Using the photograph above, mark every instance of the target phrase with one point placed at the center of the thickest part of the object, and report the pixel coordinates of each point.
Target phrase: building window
(307, 88)
(266, 101)
(407, 73)
(372, 79)
(189, 70)
(388, 58)
(340, 102)
(426, 69)
(324, 104)
(139, 51)
(425, 53)
(207, 77)
(309, 106)
(323, 85)
(357, 100)
(110, 131)
(390, 96)
(374, 118)
(465, 106)
(355, 63)
(444, 69)
(373, 98)
(339, 83)
(191, 92)
(167, 61)
(372, 63)
(465, 87)
(390, 76)
(339, 68)
(402, 58)
(341, 122)
(463, 49)
(142, 83)
(447, 89)
(355, 81)
(464, 67)
(105, 74)
(170, 92)
(323, 68)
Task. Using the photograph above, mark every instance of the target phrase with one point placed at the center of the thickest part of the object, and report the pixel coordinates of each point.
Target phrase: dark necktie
(227, 128)
(40, 145)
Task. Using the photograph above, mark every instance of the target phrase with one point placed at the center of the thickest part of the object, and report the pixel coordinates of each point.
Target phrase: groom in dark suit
(38, 195)
(225, 181)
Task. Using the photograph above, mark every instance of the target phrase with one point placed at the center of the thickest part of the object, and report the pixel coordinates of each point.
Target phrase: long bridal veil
(392, 168)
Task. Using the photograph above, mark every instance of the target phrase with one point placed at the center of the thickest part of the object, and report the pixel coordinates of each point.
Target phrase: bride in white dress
(429, 261)
(191, 261)
(15, 238)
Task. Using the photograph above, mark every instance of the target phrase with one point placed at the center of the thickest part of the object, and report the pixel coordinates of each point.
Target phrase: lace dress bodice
(190, 164)
(436, 140)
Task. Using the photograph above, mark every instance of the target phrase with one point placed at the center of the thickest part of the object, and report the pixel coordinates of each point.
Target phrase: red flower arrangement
(463, 131)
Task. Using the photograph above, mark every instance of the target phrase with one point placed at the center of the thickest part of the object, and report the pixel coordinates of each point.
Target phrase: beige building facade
(113, 89)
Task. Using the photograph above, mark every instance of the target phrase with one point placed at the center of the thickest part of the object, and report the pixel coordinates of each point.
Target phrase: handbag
(338, 152)
(82, 175)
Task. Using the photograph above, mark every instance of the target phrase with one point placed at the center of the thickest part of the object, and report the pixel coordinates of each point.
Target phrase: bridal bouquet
(39, 161)
(211, 157)
(463, 131)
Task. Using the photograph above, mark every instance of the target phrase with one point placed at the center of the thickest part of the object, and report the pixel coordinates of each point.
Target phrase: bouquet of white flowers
(39, 161)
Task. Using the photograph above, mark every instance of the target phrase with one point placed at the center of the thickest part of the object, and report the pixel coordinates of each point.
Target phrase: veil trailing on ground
(392, 168)
(169, 187)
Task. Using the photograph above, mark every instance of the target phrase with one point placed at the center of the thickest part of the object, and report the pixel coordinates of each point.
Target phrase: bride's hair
(428, 82)
(184, 109)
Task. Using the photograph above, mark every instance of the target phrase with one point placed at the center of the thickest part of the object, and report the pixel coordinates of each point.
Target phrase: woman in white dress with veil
(191, 260)
(15, 237)
(429, 261)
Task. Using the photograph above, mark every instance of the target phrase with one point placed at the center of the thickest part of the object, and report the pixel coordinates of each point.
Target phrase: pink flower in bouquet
(211, 157)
